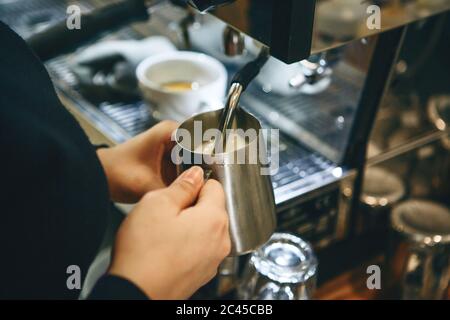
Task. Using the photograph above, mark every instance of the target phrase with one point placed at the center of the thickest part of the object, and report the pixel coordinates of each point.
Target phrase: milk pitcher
(242, 171)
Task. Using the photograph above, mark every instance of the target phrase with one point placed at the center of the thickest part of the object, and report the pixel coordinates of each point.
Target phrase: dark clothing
(114, 288)
(54, 196)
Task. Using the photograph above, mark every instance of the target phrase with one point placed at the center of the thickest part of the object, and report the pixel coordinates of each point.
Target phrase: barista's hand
(174, 240)
(141, 164)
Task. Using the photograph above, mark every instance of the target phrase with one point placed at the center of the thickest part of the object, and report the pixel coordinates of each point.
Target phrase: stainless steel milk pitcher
(248, 189)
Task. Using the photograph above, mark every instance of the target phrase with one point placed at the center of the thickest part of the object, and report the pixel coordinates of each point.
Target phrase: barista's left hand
(141, 164)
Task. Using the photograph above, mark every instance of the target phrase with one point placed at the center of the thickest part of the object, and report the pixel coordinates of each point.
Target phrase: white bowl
(180, 66)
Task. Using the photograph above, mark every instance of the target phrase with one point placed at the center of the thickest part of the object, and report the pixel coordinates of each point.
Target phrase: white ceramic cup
(182, 66)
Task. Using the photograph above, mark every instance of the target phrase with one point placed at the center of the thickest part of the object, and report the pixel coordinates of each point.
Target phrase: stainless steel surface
(320, 121)
(382, 189)
(283, 269)
(336, 22)
(249, 194)
(419, 257)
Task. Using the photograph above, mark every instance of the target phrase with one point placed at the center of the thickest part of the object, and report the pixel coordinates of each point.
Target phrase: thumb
(185, 189)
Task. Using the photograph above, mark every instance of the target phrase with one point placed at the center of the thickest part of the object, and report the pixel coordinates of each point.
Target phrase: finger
(164, 130)
(154, 143)
(185, 189)
(160, 135)
(212, 193)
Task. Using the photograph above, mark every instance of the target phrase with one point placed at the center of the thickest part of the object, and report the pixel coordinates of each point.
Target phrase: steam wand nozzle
(239, 84)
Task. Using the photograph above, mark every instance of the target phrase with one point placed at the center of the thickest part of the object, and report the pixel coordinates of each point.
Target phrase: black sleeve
(112, 287)
(54, 193)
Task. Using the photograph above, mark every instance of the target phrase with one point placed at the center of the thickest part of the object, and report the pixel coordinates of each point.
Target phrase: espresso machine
(335, 67)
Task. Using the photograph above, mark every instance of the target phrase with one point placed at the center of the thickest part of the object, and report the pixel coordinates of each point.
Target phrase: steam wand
(238, 85)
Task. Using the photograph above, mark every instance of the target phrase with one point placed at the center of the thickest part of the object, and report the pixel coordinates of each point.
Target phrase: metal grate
(322, 121)
(134, 118)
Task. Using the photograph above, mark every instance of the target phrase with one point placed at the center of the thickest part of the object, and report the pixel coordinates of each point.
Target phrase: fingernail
(194, 175)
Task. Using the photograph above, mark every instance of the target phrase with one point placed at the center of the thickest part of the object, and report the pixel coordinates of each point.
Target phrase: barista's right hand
(172, 243)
